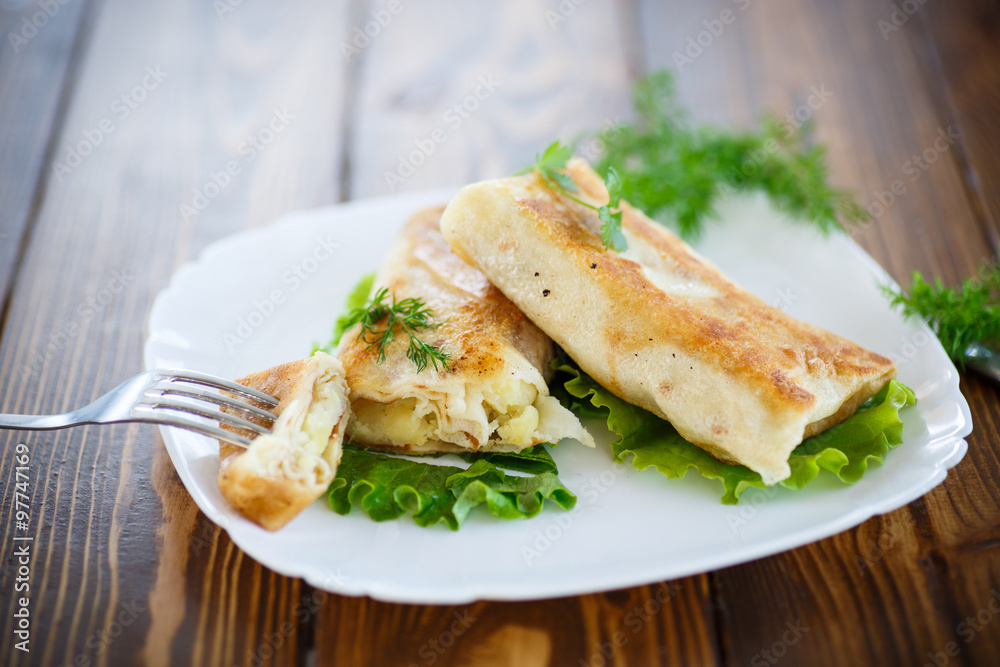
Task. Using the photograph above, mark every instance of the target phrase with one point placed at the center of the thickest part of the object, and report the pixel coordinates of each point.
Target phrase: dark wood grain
(668, 623)
(961, 56)
(126, 570)
(877, 594)
(36, 75)
(114, 531)
(553, 75)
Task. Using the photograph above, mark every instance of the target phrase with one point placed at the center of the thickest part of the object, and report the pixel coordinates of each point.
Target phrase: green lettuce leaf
(388, 487)
(356, 299)
(532, 460)
(844, 450)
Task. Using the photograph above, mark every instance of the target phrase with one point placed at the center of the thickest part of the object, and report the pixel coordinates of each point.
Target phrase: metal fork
(984, 360)
(168, 397)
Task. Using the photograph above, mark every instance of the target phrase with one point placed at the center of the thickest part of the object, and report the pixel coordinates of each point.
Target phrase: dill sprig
(675, 172)
(551, 164)
(959, 316)
(410, 314)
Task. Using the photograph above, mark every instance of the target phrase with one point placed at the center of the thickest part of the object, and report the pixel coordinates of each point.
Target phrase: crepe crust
(489, 342)
(659, 325)
(280, 474)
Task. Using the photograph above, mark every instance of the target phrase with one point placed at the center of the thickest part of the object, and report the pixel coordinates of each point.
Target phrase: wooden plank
(879, 113)
(863, 596)
(542, 73)
(973, 583)
(874, 111)
(36, 72)
(666, 624)
(124, 567)
(964, 511)
(484, 98)
(961, 55)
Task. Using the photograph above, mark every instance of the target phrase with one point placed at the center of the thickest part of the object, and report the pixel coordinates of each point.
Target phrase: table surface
(116, 115)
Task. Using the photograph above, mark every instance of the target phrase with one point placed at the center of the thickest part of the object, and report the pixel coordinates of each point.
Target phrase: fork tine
(217, 383)
(173, 419)
(217, 399)
(168, 403)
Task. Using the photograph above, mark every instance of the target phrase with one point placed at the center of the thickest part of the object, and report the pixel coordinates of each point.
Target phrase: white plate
(261, 297)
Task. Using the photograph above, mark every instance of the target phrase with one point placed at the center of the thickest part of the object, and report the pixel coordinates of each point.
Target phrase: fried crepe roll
(279, 474)
(493, 395)
(660, 326)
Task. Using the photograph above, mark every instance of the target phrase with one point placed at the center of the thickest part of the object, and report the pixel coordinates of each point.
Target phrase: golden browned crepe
(660, 326)
(281, 473)
(494, 395)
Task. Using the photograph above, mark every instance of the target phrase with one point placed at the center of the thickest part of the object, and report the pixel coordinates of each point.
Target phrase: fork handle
(40, 422)
(984, 360)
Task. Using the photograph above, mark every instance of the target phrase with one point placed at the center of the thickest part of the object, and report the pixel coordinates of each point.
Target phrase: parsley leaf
(551, 165)
(611, 229)
(553, 160)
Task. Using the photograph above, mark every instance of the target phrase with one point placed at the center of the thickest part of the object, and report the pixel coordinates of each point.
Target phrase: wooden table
(117, 115)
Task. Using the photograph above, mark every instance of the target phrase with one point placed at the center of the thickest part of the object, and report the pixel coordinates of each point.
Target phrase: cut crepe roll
(660, 326)
(493, 395)
(279, 474)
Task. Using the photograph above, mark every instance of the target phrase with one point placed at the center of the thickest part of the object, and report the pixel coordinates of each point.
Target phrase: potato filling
(301, 456)
(513, 420)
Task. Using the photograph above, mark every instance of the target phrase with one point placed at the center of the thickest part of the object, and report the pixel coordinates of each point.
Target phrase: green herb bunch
(675, 172)
(959, 316)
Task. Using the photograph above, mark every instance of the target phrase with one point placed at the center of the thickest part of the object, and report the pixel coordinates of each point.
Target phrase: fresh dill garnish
(959, 316)
(676, 172)
(411, 314)
(551, 164)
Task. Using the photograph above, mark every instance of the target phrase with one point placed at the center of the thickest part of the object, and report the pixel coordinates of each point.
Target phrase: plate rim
(609, 579)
